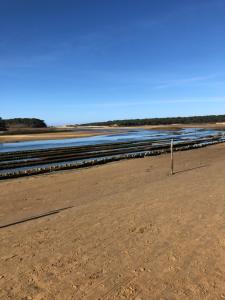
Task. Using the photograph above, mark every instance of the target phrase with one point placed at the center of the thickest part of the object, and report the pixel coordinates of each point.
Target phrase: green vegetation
(2, 125)
(24, 123)
(21, 123)
(162, 121)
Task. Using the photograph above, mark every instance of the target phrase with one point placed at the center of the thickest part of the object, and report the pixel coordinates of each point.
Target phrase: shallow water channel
(128, 136)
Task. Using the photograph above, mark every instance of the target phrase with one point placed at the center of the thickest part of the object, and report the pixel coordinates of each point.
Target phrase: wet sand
(134, 232)
(48, 136)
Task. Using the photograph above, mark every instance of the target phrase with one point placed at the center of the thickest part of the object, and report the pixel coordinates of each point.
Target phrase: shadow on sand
(191, 169)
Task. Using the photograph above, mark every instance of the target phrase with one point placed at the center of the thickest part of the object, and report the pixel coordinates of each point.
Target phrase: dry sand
(134, 232)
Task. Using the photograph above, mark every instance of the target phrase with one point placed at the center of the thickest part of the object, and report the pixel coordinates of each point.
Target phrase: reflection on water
(130, 135)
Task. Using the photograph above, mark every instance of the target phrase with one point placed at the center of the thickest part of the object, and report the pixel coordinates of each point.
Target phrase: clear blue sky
(94, 60)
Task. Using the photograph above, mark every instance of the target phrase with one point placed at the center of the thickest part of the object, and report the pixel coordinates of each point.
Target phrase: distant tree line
(2, 125)
(21, 123)
(162, 121)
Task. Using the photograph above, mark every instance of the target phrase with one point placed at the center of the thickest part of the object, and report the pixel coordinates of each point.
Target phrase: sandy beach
(133, 232)
(48, 136)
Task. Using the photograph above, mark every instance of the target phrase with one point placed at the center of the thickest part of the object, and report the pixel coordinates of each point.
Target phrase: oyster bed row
(25, 163)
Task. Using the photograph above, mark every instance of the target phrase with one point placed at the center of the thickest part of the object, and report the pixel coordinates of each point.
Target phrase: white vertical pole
(171, 155)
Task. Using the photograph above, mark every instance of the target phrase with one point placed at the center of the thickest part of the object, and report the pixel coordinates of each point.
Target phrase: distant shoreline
(89, 131)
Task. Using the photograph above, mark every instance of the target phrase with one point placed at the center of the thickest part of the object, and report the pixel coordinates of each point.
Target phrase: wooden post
(171, 154)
